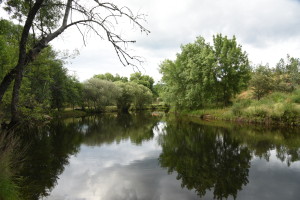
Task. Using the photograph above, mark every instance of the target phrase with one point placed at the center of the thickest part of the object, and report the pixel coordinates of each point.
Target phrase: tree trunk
(6, 83)
(15, 118)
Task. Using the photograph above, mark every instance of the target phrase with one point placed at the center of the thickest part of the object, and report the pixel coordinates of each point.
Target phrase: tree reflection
(50, 148)
(205, 158)
(106, 129)
(47, 154)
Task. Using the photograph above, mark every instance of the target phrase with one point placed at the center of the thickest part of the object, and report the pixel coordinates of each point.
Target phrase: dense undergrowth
(277, 107)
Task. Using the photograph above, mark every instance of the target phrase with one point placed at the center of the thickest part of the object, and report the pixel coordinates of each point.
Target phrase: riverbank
(287, 118)
(67, 113)
(274, 109)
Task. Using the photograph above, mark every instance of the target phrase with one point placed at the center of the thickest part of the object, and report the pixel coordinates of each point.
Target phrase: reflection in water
(139, 157)
(46, 157)
(114, 128)
(205, 158)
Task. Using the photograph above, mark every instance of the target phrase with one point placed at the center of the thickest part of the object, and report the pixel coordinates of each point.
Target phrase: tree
(174, 88)
(126, 97)
(144, 80)
(204, 75)
(8, 41)
(262, 81)
(287, 74)
(100, 93)
(232, 67)
(142, 96)
(43, 18)
(110, 77)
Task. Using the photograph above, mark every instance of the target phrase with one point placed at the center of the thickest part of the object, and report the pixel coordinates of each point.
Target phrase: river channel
(148, 156)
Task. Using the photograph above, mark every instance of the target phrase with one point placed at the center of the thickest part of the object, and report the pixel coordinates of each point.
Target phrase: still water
(146, 157)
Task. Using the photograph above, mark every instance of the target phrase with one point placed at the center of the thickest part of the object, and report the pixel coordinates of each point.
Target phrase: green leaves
(204, 75)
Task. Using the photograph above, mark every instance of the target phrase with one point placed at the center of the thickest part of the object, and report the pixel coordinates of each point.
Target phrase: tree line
(45, 20)
(106, 90)
(47, 85)
(205, 75)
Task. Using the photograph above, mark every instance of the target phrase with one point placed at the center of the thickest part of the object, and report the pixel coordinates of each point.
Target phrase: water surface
(142, 156)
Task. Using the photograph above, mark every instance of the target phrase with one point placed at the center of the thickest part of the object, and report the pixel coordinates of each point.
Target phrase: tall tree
(232, 67)
(43, 18)
(204, 75)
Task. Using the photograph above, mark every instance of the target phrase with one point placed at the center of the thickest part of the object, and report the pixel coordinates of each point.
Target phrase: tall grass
(9, 145)
(278, 106)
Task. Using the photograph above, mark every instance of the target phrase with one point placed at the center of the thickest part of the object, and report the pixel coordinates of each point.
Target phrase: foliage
(144, 80)
(261, 81)
(47, 19)
(232, 67)
(285, 77)
(204, 75)
(110, 77)
(142, 96)
(9, 34)
(100, 93)
(126, 97)
(47, 83)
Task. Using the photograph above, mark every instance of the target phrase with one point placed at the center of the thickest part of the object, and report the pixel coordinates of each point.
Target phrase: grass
(277, 107)
(8, 161)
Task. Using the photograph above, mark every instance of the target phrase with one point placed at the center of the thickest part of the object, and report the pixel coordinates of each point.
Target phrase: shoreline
(223, 115)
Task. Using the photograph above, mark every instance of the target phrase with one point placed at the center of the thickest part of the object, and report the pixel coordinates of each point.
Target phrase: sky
(267, 30)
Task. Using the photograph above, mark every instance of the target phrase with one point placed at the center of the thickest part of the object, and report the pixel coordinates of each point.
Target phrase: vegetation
(47, 86)
(99, 93)
(9, 163)
(203, 75)
(43, 18)
(205, 80)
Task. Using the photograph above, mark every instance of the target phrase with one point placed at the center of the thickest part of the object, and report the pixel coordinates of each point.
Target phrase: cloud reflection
(123, 171)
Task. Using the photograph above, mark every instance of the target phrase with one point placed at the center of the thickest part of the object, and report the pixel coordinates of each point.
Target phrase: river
(155, 156)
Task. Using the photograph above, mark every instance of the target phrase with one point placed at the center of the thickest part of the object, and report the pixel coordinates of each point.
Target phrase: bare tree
(43, 17)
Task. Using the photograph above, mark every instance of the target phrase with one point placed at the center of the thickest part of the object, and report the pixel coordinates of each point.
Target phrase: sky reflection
(125, 170)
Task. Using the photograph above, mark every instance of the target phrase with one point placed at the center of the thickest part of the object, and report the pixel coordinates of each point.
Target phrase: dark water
(149, 157)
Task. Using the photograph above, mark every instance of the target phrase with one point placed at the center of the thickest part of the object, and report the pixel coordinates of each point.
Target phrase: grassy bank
(9, 160)
(276, 108)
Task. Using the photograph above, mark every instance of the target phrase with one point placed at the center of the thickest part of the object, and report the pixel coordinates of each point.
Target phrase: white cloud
(267, 30)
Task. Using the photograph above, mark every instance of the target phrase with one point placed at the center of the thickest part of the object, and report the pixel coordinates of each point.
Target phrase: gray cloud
(267, 29)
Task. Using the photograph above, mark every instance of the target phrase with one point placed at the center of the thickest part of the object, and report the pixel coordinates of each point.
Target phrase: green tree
(45, 84)
(142, 96)
(43, 18)
(204, 75)
(126, 97)
(110, 77)
(8, 46)
(232, 67)
(100, 93)
(144, 80)
(262, 82)
(287, 74)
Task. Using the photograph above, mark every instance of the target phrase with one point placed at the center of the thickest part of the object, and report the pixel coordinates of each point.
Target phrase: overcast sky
(267, 29)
